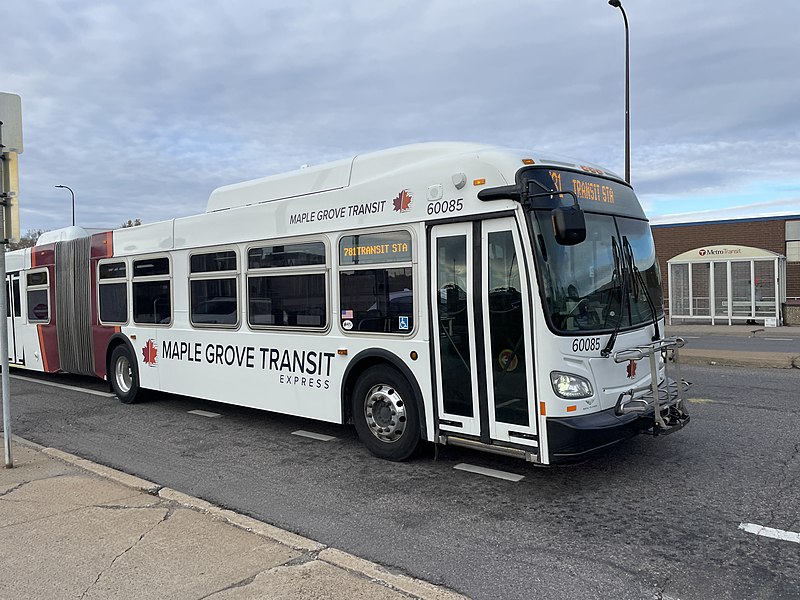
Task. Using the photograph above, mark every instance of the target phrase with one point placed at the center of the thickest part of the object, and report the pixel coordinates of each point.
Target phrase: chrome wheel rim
(385, 413)
(123, 375)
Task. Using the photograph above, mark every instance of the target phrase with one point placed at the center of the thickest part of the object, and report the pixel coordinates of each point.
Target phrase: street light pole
(73, 200)
(618, 4)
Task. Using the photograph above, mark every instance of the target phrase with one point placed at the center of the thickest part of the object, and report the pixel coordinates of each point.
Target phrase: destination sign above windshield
(584, 190)
(594, 193)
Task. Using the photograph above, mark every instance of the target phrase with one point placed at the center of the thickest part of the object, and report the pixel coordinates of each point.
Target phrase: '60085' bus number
(585, 344)
(445, 206)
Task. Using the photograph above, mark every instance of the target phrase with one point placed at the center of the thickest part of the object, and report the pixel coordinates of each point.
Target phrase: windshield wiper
(638, 275)
(605, 352)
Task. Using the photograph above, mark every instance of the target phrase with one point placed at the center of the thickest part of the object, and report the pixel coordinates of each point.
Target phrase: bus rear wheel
(124, 375)
(385, 413)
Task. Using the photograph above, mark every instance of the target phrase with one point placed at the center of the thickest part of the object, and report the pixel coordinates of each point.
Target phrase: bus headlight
(570, 387)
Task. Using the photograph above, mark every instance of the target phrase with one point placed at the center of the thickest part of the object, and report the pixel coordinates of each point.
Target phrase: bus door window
(507, 336)
(152, 291)
(454, 337)
(16, 299)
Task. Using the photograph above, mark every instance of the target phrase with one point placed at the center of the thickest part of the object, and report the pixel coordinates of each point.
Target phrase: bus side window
(287, 285)
(214, 289)
(376, 294)
(113, 292)
(152, 291)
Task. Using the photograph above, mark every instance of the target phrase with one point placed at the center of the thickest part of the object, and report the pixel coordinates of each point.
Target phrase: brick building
(776, 234)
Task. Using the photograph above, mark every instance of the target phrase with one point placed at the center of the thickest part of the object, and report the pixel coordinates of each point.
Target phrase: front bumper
(572, 439)
(658, 409)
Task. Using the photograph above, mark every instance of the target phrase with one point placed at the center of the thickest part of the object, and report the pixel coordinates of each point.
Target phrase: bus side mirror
(569, 225)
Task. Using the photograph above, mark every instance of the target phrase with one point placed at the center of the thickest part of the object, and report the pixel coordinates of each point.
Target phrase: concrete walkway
(70, 528)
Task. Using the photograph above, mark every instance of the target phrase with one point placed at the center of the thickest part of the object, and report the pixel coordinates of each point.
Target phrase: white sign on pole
(10, 197)
(11, 117)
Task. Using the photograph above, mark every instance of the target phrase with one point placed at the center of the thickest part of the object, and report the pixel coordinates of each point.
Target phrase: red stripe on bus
(41, 349)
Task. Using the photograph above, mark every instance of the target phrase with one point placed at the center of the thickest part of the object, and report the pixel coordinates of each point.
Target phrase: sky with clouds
(143, 108)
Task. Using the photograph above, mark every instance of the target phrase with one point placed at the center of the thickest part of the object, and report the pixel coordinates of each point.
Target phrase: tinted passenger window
(376, 298)
(152, 291)
(113, 292)
(287, 286)
(214, 289)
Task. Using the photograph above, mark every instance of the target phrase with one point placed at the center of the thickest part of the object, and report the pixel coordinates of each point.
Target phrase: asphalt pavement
(99, 533)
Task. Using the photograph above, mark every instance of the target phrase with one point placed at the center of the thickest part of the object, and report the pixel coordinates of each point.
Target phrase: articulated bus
(459, 294)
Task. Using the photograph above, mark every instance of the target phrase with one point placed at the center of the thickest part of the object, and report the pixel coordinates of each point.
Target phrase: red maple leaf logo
(403, 201)
(150, 352)
(631, 369)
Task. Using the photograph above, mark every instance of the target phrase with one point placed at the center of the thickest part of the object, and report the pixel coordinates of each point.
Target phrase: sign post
(10, 147)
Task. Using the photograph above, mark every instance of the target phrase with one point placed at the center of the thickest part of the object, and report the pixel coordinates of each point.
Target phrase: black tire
(123, 373)
(385, 413)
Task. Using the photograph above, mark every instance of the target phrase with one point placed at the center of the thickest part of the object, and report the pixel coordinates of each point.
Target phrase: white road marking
(314, 436)
(779, 339)
(778, 534)
(63, 386)
(204, 413)
(690, 337)
(489, 472)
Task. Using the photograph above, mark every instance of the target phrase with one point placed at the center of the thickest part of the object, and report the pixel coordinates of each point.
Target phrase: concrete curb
(27, 443)
(404, 583)
(731, 358)
(123, 478)
(287, 538)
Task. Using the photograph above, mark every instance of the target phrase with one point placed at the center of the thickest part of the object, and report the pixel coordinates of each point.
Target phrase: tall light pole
(73, 200)
(618, 4)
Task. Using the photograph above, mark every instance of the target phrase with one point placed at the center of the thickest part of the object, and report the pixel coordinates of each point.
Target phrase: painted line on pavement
(488, 472)
(314, 436)
(705, 401)
(63, 386)
(778, 534)
(690, 337)
(779, 339)
(204, 413)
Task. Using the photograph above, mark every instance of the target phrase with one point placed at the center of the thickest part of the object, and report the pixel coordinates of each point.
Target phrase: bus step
(451, 440)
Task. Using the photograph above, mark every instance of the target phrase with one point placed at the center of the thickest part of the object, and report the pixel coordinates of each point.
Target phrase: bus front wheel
(124, 375)
(385, 413)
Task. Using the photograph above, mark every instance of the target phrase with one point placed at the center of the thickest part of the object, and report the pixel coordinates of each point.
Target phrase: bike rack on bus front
(666, 397)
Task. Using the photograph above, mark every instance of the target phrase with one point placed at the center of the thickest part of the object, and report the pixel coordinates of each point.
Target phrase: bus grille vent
(73, 306)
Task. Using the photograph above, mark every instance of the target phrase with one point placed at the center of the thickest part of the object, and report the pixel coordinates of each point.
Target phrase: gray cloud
(144, 108)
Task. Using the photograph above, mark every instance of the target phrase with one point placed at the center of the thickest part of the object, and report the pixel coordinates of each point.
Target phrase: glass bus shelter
(727, 283)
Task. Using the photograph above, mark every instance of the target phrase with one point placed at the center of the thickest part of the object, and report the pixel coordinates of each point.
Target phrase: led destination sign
(583, 189)
(375, 248)
(594, 191)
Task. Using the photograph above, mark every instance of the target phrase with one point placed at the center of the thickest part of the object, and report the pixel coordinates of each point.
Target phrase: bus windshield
(582, 284)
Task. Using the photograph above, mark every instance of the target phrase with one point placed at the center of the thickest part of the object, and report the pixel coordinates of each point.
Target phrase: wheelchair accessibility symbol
(403, 325)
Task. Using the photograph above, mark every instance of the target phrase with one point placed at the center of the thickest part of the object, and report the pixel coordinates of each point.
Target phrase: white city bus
(460, 294)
